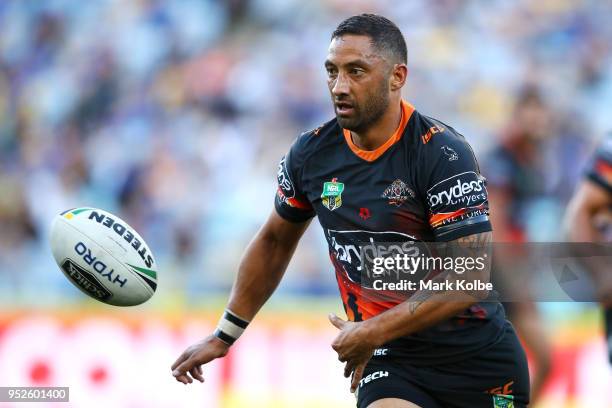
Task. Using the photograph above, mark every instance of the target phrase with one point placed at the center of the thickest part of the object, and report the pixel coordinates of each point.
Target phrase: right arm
(261, 269)
(263, 264)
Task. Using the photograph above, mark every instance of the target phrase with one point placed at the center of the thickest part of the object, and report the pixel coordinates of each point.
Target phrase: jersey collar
(371, 155)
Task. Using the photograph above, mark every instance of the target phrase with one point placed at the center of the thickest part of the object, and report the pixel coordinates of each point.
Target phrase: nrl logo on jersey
(503, 401)
(332, 194)
(397, 193)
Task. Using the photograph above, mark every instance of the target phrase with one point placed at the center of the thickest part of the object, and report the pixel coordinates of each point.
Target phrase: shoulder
(439, 140)
(313, 141)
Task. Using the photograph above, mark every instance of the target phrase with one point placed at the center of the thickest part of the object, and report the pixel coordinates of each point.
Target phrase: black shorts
(496, 378)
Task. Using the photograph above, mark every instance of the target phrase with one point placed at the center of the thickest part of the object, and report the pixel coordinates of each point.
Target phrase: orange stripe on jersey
(294, 202)
(437, 219)
(361, 303)
(371, 155)
(604, 169)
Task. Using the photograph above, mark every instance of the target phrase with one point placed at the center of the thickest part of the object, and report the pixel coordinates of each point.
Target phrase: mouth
(344, 108)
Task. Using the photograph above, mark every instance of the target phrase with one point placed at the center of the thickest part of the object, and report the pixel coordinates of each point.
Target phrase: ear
(397, 79)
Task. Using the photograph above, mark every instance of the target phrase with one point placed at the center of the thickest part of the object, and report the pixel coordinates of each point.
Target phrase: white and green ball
(103, 256)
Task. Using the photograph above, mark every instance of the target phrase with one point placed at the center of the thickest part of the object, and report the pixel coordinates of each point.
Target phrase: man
(589, 219)
(518, 180)
(381, 172)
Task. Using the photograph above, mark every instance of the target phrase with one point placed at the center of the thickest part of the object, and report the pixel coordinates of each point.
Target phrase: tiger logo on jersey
(332, 194)
(397, 193)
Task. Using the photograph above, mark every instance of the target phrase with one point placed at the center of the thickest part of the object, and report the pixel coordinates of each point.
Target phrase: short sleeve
(599, 169)
(291, 203)
(454, 190)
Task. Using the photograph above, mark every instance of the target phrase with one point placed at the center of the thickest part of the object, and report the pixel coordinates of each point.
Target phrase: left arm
(357, 340)
(589, 200)
(427, 308)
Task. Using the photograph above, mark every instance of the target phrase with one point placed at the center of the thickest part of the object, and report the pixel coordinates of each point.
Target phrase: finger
(197, 374)
(336, 321)
(357, 374)
(199, 368)
(348, 369)
(184, 367)
(179, 360)
(185, 379)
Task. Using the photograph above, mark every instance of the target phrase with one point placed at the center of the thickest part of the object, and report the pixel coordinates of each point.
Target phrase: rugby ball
(103, 256)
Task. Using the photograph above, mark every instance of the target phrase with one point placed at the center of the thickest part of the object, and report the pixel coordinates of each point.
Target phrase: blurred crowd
(174, 115)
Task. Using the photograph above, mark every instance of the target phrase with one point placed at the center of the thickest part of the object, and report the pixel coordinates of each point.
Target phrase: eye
(356, 71)
(331, 71)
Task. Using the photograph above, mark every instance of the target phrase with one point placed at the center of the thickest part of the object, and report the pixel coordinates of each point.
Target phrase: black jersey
(423, 184)
(600, 167)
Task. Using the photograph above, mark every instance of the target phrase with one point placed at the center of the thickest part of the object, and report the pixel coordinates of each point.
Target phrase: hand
(190, 362)
(354, 346)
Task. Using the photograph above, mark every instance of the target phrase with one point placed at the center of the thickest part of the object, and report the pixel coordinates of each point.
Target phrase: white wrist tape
(230, 327)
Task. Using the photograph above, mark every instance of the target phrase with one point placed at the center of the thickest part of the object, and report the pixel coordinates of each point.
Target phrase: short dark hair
(385, 35)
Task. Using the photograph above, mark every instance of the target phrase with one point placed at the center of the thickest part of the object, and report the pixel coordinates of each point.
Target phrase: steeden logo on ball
(103, 256)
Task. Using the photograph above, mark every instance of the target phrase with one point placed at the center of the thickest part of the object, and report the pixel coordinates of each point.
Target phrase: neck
(381, 130)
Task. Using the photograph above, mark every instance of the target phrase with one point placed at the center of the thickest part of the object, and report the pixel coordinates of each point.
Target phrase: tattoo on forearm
(418, 299)
(472, 246)
(475, 241)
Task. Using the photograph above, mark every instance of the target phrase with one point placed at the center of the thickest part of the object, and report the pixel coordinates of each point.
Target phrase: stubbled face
(358, 81)
(534, 119)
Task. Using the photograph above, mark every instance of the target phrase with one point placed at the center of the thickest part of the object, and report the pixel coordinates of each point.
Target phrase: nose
(340, 86)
